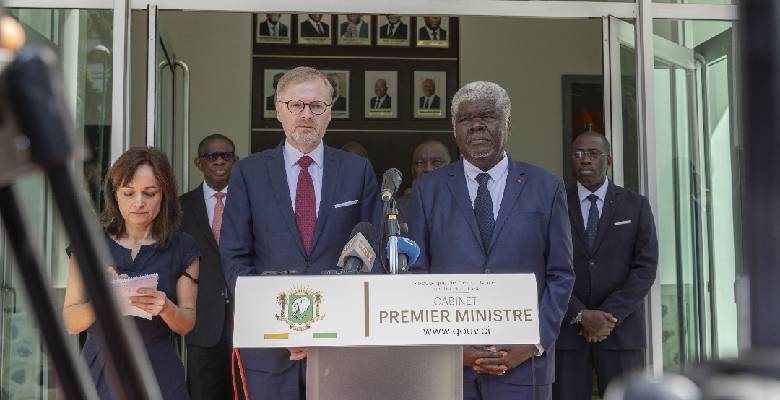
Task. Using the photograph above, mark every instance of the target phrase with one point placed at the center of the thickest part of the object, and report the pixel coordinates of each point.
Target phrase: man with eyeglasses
(428, 156)
(490, 214)
(292, 208)
(209, 343)
(615, 261)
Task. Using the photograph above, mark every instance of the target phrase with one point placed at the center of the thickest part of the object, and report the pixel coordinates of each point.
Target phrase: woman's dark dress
(168, 264)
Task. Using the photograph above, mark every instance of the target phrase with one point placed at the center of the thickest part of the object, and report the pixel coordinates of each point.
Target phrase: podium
(385, 336)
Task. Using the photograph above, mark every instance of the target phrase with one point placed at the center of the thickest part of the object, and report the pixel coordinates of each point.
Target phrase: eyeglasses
(590, 153)
(297, 106)
(214, 155)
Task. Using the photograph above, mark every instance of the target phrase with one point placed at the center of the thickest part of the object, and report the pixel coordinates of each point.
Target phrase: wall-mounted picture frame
(433, 31)
(339, 107)
(354, 30)
(270, 81)
(381, 94)
(273, 28)
(430, 94)
(315, 29)
(392, 30)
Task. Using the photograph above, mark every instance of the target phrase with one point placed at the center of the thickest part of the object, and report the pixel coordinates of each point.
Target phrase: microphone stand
(397, 262)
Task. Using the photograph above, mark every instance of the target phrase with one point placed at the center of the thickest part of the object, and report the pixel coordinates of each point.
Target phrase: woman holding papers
(140, 222)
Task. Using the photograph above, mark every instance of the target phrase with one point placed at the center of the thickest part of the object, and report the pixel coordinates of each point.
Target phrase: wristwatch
(577, 319)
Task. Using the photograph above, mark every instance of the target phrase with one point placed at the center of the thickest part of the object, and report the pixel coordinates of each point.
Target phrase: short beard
(307, 138)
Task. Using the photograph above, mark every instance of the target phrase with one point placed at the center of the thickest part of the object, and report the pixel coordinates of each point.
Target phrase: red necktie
(305, 204)
(216, 226)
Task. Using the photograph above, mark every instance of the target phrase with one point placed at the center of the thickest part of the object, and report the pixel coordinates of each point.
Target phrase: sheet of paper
(124, 288)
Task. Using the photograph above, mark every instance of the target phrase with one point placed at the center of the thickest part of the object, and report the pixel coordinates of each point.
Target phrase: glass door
(82, 42)
(694, 114)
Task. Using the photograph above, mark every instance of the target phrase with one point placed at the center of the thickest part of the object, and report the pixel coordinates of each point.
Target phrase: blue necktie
(593, 222)
(483, 209)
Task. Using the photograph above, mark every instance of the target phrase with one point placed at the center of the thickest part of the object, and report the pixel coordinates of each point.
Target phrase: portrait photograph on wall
(273, 28)
(339, 108)
(381, 90)
(314, 29)
(270, 82)
(392, 30)
(430, 94)
(433, 31)
(354, 30)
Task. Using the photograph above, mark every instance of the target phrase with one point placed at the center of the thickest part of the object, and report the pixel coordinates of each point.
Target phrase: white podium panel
(385, 310)
(385, 373)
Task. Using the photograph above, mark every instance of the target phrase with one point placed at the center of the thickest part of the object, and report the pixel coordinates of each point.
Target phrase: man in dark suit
(427, 157)
(615, 260)
(338, 102)
(293, 208)
(272, 26)
(394, 28)
(314, 27)
(354, 27)
(270, 101)
(432, 29)
(382, 100)
(209, 343)
(429, 100)
(487, 213)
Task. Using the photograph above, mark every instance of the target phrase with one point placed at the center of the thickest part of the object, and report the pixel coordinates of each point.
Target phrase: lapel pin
(520, 181)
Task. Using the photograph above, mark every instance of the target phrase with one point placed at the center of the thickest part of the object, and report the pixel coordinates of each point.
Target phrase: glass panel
(696, 172)
(82, 41)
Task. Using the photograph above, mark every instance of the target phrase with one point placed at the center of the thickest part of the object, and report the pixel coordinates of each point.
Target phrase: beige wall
(217, 47)
(527, 57)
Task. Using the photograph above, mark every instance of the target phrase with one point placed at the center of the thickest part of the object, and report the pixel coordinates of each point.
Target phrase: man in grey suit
(209, 343)
(293, 208)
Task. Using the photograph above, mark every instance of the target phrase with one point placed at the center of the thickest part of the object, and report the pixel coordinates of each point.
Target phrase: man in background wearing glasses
(292, 208)
(209, 343)
(615, 260)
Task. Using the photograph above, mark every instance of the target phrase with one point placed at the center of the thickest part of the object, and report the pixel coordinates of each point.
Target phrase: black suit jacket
(401, 31)
(618, 274)
(308, 30)
(435, 103)
(265, 29)
(423, 34)
(384, 104)
(210, 308)
(340, 104)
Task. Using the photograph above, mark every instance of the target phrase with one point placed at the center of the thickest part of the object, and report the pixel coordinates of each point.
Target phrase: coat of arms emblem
(300, 308)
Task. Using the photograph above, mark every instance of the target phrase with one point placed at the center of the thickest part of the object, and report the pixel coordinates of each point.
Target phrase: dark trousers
(286, 385)
(574, 370)
(208, 369)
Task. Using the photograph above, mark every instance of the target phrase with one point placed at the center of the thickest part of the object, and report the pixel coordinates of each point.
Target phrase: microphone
(358, 255)
(391, 181)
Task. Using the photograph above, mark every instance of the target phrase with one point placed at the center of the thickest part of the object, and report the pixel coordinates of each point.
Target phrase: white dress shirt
(291, 157)
(495, 185)
(211, 200)
(583, 193)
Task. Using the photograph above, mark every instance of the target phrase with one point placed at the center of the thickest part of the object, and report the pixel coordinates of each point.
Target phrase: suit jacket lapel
(278, 176)
(575, 214)
(457, 185)
(202, 216)
(607, 214)
(515, 183)
(330, 180)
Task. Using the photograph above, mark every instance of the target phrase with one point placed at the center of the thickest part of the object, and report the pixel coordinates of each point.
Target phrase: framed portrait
(315, 29)
(339, 107)
(430, 94)
(272, 28)
(381, 94)
(392, 30)
(354, 30)
(270, 81)
(433, 31)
